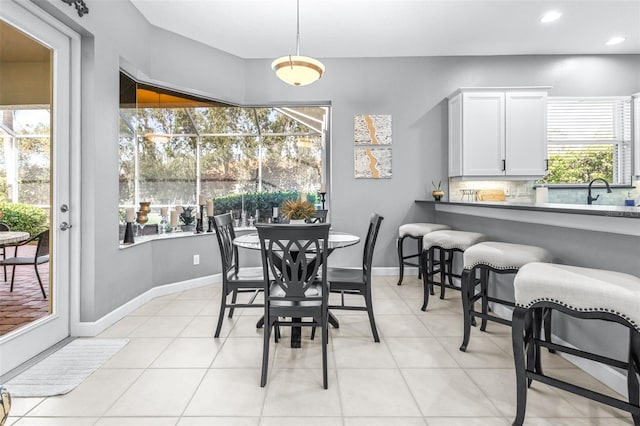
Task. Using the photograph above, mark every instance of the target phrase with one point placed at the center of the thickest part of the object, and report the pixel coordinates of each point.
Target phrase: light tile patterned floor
(173, 372)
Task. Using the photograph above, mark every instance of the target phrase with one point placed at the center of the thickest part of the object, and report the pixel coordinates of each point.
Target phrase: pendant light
(298, 70)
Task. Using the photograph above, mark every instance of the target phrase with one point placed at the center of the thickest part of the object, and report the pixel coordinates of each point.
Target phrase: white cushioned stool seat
(504, 255)
(452, 240)
(579, 289)
(419, 229)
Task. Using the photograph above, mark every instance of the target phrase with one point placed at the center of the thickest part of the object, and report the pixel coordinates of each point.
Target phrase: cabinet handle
(546, 165)
(504, 165)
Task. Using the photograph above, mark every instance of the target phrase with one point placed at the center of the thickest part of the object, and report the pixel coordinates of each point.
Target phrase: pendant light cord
(298, 28)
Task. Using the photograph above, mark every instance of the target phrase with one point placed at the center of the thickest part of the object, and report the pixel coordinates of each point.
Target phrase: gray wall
(412, 90)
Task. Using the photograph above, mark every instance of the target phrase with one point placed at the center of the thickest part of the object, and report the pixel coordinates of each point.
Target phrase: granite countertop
(583, 209)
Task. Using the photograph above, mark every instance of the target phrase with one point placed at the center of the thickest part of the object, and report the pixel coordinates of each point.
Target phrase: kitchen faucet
(591, 199)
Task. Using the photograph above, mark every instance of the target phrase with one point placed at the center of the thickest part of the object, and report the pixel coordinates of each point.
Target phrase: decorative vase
(187, 228)
(145, 206)
(5, 404)
(437, 195)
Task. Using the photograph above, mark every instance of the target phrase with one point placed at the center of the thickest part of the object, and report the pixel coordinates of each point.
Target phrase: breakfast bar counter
(612, 219)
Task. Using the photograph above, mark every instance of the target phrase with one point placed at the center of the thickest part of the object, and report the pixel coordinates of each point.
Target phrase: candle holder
(322, 198)
(210, 228)
(128, 234)
(199, 223)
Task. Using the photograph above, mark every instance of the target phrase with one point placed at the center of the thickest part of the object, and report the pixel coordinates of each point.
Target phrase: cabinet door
(483, 134)
(636, 134)
(455, 136)
(526, 133)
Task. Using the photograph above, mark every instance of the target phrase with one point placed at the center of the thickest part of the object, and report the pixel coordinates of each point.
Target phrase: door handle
(64, 226)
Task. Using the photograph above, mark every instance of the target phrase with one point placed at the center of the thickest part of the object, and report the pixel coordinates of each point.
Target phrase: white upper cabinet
(498, 132)
(636, 134)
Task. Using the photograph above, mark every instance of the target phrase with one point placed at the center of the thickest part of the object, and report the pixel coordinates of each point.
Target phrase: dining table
(337, 240)
(12, 237)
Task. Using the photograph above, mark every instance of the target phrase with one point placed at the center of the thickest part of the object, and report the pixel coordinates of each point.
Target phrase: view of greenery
(581, 166)
(234, 150)
(25, 135)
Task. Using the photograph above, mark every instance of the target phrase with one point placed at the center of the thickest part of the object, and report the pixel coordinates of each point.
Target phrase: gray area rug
(65, 369)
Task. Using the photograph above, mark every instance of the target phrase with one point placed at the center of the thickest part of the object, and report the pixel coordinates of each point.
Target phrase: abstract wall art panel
(372, 129)
(372, 163)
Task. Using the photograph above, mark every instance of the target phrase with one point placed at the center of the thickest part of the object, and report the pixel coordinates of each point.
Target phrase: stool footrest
(582, 354)
(596, 396)
(490, 318)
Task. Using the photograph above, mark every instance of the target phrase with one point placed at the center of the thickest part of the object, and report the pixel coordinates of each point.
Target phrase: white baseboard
(602, 372)
(89, 329)
(393, 270)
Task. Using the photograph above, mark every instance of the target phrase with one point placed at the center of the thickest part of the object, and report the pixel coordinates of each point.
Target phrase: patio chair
(41, 256)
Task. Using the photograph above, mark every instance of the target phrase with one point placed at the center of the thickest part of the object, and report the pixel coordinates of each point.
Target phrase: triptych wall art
(372, 152)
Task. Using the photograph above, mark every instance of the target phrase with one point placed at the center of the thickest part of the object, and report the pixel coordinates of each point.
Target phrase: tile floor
(173, 372)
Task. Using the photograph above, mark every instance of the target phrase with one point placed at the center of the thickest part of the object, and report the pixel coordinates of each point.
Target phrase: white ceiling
(390, 28)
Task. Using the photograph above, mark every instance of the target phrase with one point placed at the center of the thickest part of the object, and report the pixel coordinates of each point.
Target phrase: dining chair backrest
(293, 256)
(223, 225)
(369, 243)
(43, 244)
(319, 216)
(4, 227)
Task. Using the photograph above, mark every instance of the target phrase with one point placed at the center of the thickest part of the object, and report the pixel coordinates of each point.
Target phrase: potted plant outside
(297, 211)
(437, 192)
(187, 219)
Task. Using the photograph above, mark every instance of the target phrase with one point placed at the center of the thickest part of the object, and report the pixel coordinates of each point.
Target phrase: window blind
(589, 137)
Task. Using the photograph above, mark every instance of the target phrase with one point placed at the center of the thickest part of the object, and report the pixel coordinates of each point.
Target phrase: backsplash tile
(524, 192)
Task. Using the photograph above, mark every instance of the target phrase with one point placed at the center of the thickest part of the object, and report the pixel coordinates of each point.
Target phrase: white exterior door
(22, 344)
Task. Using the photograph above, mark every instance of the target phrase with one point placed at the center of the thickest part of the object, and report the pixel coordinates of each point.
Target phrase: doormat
(65, 369)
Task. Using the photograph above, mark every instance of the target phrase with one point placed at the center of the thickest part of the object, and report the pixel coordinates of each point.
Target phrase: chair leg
(467, 286)
(325, 338)
(517, 338)
(547, 327)
(399, 243)
(4, 256)
(233, 302)
(426, 259)
(420, 265)
(533, 355)
(372, 320)
(431, 267)
(223, 305)
(484, 289)
(13, 276)
(44, 295)
(265, 350)
(632, 372)
(443, 271)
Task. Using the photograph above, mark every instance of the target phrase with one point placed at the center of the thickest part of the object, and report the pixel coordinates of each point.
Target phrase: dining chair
(4, 228)
(319, 216)
(294, 262)
(41, 256)
(235, 279)
(348, 281)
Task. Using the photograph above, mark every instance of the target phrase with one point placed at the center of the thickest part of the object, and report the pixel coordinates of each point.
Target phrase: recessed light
(615, 40)
(551, 16)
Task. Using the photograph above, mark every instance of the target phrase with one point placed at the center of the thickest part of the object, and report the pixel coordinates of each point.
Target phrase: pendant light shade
(298, 70)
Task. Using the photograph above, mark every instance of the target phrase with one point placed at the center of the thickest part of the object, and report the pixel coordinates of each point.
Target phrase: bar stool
(448, 242)
(580, 293)
(415, 231)
(500, 258)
